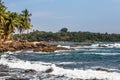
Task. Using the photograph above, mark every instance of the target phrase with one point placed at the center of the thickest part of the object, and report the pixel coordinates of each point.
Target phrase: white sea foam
(85, 74)
(104, 53)
(16, 63)
(58, 51)
(64, 63)
(41, 66)
(114, 45)
(64, 46)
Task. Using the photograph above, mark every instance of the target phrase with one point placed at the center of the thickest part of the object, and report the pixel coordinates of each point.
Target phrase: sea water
(79, 63)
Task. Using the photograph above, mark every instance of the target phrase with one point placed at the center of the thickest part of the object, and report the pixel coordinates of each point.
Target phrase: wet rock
(42, 44)
(30, 70)
(11, 79)
(101, 69)
(49, 70)
(62, 48)
(25, 45)
(48, 49)
(37, 49)
(75, 45)
(11, 49)
(53, 48)
(4, 68)
(4, 74)
(17, 79)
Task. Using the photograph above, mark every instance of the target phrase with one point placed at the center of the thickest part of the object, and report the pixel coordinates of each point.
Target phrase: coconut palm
(10, 24)
(25, 20)
(10, 21)
(3, 16)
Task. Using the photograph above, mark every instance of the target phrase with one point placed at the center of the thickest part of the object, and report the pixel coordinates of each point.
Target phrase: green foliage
(12, 21)
(64, 30)
(70, 36)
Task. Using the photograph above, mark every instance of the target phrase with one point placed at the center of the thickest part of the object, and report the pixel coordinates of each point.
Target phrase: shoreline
(42, 46)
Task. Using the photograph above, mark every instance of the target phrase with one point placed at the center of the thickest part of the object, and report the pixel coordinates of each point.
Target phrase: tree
(10, 24)
(25, 22)
(26, 19)
(64, 30)
(3, 16)
(10, 21)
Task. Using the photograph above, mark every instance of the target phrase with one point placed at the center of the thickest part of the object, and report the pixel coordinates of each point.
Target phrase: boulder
(30, 70)
(11, 49)
(37, 49)
(48, 49)
(49, 70)
(101, 69)
(62, 48)
(4, 74)
(11, 79)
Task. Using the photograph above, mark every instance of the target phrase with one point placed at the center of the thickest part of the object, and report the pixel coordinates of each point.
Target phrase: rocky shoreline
(7, 73)
(25, 45)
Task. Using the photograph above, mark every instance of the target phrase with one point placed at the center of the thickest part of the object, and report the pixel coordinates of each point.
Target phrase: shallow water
(80, 63)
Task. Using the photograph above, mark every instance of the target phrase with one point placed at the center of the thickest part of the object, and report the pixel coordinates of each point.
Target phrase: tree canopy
(70, 36)
(12, 21)
(64, 30)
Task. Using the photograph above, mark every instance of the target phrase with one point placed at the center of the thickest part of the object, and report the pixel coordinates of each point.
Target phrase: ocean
(97, 61)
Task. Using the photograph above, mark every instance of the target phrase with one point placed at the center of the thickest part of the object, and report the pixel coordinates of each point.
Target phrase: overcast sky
(76, 15)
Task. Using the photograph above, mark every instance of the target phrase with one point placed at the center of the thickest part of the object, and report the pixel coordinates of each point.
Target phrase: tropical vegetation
(10, 22)
(65, 35)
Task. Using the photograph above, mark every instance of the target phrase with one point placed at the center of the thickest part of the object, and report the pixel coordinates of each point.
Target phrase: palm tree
(25, 21)
(10, 24)
(10, 21)
(3, 16)
(2, 13)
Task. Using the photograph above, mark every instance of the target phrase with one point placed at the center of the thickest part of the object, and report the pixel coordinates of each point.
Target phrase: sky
(76, 15)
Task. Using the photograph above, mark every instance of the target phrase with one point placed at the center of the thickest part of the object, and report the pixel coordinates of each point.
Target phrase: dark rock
(4, 68)
(75, 45)
(101, 69)
(17, 79)
(11, 79)
(30, 70)
(49, 70)
(3, 74)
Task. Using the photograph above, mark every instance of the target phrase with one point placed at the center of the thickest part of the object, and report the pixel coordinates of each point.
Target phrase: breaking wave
(13, 62)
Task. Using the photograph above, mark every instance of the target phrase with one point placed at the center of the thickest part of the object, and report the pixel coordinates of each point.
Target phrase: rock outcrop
(25, 45)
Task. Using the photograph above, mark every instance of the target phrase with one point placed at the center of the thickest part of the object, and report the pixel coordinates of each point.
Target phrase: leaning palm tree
(2, 13)
(10, 24)
(3, 16)
(10, 21)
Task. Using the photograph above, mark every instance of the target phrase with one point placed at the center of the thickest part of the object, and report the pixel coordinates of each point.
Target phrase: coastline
(83, 63)
(42, 46)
